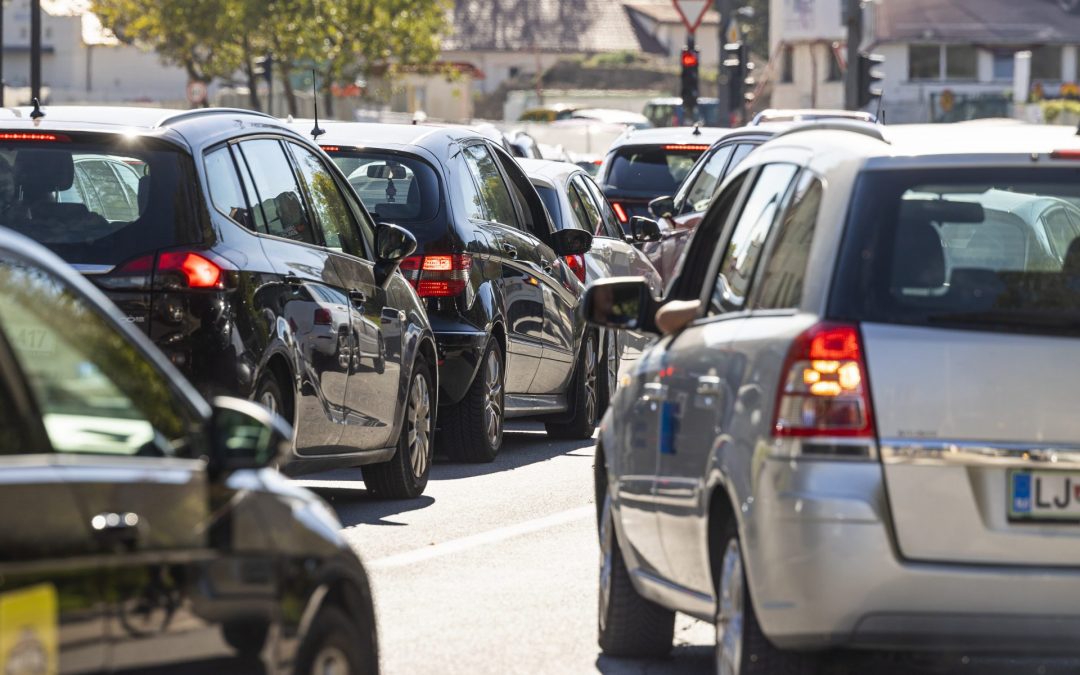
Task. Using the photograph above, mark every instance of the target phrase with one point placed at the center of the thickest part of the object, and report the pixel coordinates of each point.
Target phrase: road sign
(692, 12)
(196, 92)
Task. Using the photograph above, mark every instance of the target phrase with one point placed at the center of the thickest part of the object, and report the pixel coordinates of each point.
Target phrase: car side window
(781, 282)
(740, 153)
(327, 203)
(577, 207)
(226, 193)
(96, 392)
(277, 191)
(493, 192)
(611, 221)
(743, 250)
(1059, 230)
(697, 195)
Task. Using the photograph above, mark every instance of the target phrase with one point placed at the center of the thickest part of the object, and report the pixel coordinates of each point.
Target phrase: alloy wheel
(590, 379)
(270, 401)
(729, 620)
(612, 363)
(330, 661)
(493, 398)
(419, 420)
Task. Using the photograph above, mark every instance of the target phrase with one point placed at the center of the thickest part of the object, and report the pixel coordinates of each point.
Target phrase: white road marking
(482, 538)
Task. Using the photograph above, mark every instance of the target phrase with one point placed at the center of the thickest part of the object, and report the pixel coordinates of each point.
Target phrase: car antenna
(697, 128)
(36, 113)
(315, 130)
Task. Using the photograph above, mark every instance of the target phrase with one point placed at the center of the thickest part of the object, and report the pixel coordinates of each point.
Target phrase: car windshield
(655, 169)
(396, 188)
(98, 202)
(988, 248)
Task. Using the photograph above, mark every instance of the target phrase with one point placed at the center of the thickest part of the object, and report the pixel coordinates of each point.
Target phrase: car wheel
(584, 393)
(741, 646)
(405, 475)
(271, 396)
(629, 625)
(609, 378)
(334, 647)
(472, 430)
(380, 357)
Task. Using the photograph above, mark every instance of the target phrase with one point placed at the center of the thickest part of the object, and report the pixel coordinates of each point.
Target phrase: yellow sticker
(29, 643)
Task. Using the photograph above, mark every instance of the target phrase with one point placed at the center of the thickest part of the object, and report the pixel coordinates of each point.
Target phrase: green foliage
(1054, 109)
(615, 59)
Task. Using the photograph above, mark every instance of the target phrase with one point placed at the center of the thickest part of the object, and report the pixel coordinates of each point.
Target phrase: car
(550, 113)
(859, 432)
(145, 529)
(238, 224)
(612, 116)
(575, 201)
(669, 112)
(523, 145)
(809, 115)
(643, 164)
(494, 273)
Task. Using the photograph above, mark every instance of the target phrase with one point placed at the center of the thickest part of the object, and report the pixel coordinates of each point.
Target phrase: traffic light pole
(723, 8)
(35, 49)
(690, 105)
(853, 14)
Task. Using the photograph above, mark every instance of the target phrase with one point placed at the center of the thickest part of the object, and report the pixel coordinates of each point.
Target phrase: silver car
(859, 429)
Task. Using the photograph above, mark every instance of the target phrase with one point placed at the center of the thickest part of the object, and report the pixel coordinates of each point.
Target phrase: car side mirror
(392, 245)
(571, 241)
(644, 229)
(245, 435)
(621, 303)
(662, 207)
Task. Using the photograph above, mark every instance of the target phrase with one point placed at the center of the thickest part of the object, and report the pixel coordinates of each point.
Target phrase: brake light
(437, 276)
(1065, 154)
(323, 317)
(576, 263)
(168, 268)
(33, 136)
(331, 148)
(688, 147)
(197, 270)
(824, 391)
(619, 212)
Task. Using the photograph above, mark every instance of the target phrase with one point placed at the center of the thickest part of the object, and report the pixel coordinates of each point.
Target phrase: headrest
(918, 256)
(41, 171)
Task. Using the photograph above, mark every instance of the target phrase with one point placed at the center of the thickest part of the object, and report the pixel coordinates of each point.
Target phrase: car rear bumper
(459, 356)
(825, 572)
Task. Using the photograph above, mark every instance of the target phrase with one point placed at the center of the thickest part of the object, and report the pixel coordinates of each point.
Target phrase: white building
(806, 43)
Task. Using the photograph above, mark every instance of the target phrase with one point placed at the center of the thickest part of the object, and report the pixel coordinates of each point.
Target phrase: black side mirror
(245, 435)
(392, 245)
(662, 207)
(644, 229)
(621, 303)
(571, 241)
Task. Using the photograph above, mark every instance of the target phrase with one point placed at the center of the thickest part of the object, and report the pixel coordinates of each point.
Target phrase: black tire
(758, 655)
(465, 431)
(583, 395)
(333, 631)
(270, 394)
(405, 475)
(247, 638)
(629, 625)
(607, 381)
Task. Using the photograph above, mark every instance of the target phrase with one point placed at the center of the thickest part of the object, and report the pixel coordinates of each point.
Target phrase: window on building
(924, 62)
(787, 65)
(1046, 63)
(834, 73)
(1003, 66)
(961, 62)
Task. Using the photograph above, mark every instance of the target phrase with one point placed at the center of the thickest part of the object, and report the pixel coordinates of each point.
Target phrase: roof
(662, 135)
(666, 13)
(382, 135)
(551, 171)
(1029, 22)
(583, 26)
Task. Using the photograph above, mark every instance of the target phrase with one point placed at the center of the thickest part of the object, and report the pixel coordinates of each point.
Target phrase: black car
(141, 532)
(495, 274)
(238, 247)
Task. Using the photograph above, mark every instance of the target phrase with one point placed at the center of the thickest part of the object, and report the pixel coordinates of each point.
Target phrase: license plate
(1044, 495)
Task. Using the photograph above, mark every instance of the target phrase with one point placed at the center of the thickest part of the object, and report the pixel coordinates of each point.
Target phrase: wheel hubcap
(269, 400)
(330, 661)
(419, 438)
(729, 620)
(590, 380)
(607, 545)
(493, 398)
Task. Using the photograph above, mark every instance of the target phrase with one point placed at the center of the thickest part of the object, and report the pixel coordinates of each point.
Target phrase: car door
(522, 293)
(373, 392)
(293, 244)
(703, 378)
(181, 563)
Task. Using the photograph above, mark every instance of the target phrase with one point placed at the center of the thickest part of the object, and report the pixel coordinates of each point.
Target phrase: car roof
(665, 135)
(549, 170)
(381, 135)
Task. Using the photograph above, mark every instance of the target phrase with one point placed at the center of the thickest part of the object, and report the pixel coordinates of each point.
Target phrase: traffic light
(689, 61)
(738, 67)
(264, 68)
(870, 77)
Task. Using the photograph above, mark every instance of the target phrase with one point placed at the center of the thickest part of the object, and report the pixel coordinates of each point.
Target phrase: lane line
(489, 537)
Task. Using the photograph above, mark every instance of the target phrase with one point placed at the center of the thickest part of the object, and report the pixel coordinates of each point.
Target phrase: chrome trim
(952, 453)
(91, 270)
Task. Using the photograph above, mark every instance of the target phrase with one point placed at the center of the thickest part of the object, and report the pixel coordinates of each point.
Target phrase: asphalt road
(493, 570)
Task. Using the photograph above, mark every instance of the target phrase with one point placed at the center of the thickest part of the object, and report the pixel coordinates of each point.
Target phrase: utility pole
(35, 49)
(724, 103)
(854, 19)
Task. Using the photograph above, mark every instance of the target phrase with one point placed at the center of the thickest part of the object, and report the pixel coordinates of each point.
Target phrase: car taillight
(323, 317)
(437, 276)
(184, 268)
(576, 263)
(620, 212)
(824, 391)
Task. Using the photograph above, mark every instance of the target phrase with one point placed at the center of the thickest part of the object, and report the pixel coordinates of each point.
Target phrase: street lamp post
(35, 49)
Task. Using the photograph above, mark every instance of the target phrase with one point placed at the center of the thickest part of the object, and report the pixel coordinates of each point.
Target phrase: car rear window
(396, 188)
(963, 248)
(654, 169)
(99, 202)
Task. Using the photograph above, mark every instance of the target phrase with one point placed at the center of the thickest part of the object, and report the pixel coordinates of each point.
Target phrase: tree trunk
(328, 97)
(249, 73)
(290, 93)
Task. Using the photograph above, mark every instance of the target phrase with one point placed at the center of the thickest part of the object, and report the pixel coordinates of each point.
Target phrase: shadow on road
(523, 444)
(684, 660)
(360, 506)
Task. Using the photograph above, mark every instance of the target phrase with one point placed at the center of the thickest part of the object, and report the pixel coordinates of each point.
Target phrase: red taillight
(688, 147)
(576, 263)
(620, 212)
(1065, 154)
(141, 265)
(33, 136)
(199, 272)
(331, 148)
(824, 391)
(323, 317)
(437, 276)
(168, 268)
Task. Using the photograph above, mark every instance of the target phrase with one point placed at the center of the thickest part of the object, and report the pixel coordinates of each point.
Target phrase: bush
(1052, 110)
(615, 59)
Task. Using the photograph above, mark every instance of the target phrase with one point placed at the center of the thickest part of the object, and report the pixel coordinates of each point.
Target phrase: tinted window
(651, 169)
(95, 391)
(962, 248)
(611, 222)
(469, 193)
(748, 238)
(584, 210)
(277, 191)
(1060, 229)
(76, 198)
(697, 196)
(692, 268)
(334, 216)
(396, 188)
(550, 197)
(225, 190)
(782, 280)
(493, 192)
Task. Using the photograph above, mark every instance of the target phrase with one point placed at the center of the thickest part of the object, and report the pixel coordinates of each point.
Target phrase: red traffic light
(689, 58)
